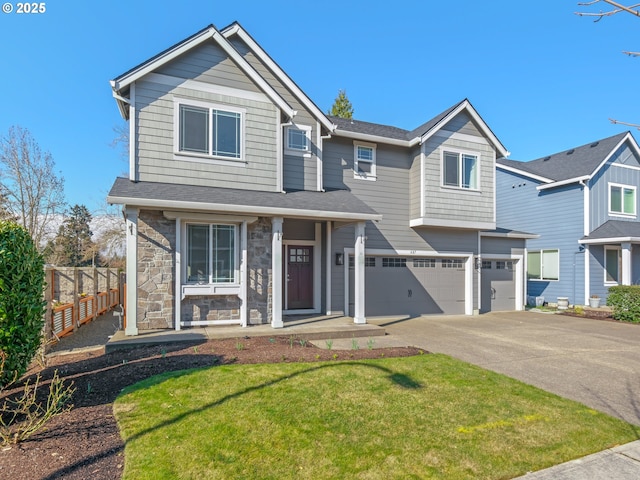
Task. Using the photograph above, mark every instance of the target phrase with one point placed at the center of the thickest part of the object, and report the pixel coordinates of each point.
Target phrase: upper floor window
(298, 140)
(206, 130)
(460, 170)
(622, 199)
(543, 265)
(364, 160)
(211, 253)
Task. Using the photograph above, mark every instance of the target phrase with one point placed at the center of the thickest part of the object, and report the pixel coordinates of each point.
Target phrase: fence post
(76, 299)
(108, 287)
(49, 278)
(95, 294)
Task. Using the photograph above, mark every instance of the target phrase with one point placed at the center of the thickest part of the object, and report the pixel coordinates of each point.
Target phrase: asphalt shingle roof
(324, 203)
(572, 163)
(615, 229)
(388, 131)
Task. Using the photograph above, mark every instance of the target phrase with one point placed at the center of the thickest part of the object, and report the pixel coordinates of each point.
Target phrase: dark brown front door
(299, 277)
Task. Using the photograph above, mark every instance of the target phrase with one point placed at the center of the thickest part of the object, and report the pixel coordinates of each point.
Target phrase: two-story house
(583, 203)
(245, 202)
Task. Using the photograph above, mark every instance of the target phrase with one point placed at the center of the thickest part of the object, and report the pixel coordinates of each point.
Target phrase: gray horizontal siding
(155, 133)
(462, 123)
(614, 173)
(299, 172)
(210, 64)
(458, 204)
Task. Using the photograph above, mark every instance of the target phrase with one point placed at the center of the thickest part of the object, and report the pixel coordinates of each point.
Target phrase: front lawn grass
(428, 416)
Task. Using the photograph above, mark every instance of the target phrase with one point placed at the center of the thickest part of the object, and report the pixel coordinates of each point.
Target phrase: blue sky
(543, 78)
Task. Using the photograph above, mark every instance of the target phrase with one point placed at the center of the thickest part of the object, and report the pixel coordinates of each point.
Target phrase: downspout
(586, 230)
(133, 174)
(479, 270)
(320, 156)
(280, 157)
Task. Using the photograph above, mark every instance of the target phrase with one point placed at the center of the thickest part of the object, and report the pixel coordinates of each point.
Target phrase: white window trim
(460, 152)
(540, 250)
(635, 200)
(296, 151)
(363, 176)
(606, 282)
(201, 157)
(185, 255)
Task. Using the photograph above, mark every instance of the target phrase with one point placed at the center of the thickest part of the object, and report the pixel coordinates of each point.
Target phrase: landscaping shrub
(22, 305)
(625, 301)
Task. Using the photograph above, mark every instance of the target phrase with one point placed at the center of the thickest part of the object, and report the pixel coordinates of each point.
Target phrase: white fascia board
(371, 138)
(563, 182)
(634, 146)
(439, 222)
(597, 241)
(465, 105)
(149, 67)
(518, 235)
(517, 171)
(210, 33)
(241, 209)
(236, 29)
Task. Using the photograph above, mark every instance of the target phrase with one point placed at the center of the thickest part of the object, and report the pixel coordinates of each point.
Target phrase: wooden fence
(76, 296)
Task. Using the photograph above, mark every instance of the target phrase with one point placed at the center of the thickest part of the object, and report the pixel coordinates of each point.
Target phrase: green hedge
(22, 305)
(625, 301)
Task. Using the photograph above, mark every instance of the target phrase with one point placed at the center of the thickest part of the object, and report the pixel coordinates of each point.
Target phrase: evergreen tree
(73, 246)
(342, 106)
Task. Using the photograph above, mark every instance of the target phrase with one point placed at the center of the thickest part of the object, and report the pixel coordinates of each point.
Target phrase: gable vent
(594, 144)
(570, 151)
(545, 159)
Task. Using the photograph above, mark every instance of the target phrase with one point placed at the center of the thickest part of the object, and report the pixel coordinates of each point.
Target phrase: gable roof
(614, 231)
(376, 132)
(236, 29)
(120, 85)
(572, 165)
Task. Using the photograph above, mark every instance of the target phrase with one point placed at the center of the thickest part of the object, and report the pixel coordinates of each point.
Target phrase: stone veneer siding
(156, 263)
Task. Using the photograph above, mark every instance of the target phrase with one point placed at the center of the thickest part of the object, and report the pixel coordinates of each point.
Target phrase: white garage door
(498, 285)
(411, 286)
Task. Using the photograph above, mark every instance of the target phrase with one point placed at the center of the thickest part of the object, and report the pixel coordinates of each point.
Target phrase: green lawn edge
(428, 416)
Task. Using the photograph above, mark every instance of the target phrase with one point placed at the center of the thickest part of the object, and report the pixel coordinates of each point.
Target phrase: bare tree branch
(32, 191)
(618, 122)
(617, 9)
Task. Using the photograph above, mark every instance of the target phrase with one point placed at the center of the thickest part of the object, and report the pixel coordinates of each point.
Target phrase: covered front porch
(613, 256)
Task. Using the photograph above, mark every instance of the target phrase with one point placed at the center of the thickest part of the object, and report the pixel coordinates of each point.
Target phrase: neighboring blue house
(583, 203)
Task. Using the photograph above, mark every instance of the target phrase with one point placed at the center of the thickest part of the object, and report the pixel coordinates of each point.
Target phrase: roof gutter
(371, 138)
(596, 241)
(564, 182)
(517, 171)
(242, 209)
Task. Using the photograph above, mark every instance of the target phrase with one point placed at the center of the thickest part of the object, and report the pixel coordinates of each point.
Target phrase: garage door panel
(412, 289)
(498, 285)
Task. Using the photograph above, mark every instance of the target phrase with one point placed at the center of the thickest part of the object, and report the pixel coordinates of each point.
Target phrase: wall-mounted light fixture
(339, 258)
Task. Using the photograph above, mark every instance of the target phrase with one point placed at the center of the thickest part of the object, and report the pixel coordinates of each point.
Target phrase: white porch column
(276, 272)
(132, 271)
(177, 304)
(626, 263)
(358, 293)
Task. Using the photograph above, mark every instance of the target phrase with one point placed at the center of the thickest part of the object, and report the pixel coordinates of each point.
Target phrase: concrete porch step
(318, 328)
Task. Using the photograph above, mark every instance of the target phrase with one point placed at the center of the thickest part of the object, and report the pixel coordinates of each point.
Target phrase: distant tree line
(32, 195)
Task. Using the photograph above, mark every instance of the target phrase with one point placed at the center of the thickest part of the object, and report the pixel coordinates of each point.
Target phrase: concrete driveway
(592, 361)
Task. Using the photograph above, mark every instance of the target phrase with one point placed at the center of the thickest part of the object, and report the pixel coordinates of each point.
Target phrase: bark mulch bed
(84, 443)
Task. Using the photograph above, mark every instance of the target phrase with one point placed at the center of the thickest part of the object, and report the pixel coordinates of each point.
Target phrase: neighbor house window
(460, 170)
(543, 265)
(612, 265)
(298, 140)
(210, 131)
(211, 253)
(622, 199)
(364, 163)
